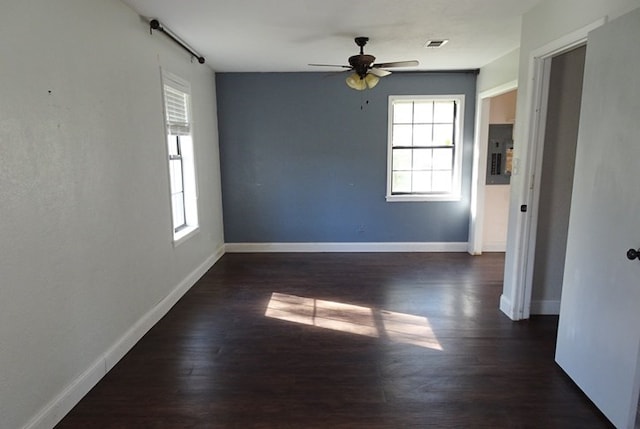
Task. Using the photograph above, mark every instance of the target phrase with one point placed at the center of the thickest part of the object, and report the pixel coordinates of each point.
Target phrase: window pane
(443, 135)
(175, 167)
(402, 135)
(401, 181)
(443, 112)
(441, 181)
(402, 113)
(422, 181)
(177, 202)
(423, 112)
(422, 159)
(173, 145)
(422, 135)
(442, 159)
(402, 159)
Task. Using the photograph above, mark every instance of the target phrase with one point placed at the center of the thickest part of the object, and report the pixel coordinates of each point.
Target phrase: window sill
(184, 234)
(422, 198)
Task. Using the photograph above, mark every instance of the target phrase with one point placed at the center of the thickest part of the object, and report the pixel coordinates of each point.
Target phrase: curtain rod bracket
(154, 24)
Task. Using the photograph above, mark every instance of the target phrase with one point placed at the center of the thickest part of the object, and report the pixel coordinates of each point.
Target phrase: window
(177, 111)
(425, 151)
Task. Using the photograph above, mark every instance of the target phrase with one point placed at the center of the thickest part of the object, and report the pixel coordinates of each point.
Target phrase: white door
(599, 330)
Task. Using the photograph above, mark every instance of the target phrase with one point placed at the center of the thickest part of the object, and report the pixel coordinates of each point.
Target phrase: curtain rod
(154, 24)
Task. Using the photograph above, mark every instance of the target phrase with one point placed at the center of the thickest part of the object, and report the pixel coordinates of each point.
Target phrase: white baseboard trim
(506, 307)
(548, 308)
(55, 410)
(344, 247)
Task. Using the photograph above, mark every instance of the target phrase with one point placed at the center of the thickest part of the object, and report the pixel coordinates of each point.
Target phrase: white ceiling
(286, 35)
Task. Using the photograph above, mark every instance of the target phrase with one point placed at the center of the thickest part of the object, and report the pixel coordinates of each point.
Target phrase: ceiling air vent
(435, 43)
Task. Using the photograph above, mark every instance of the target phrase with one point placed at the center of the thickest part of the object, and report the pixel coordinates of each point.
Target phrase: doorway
(516, 299)
(564, 95)
(479, 210)
(502, 114)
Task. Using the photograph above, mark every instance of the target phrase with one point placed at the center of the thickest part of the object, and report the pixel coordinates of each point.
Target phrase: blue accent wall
(304, 159)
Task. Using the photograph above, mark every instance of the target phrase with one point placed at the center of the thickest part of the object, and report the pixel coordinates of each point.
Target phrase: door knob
(633, 254)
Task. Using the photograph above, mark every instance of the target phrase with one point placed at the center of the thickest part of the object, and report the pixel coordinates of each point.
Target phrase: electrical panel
(500, 154)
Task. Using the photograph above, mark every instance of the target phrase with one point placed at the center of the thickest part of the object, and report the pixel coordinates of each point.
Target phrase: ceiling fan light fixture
(354, 81)
(371, 80)
(366, 72)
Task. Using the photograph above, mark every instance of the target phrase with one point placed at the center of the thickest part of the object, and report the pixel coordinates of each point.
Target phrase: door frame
(479, 174)
(523, 229)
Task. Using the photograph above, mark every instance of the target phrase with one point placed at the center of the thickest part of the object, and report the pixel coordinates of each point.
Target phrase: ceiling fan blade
(330, 65)
(412, 63)
(379, 72)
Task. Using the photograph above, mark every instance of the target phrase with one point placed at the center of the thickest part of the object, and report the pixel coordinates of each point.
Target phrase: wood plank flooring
(342, 341)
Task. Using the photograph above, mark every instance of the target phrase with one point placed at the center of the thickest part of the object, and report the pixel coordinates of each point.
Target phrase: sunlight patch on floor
(353, 319)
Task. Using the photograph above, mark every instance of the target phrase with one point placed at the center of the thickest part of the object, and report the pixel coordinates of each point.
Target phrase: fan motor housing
(361, 63)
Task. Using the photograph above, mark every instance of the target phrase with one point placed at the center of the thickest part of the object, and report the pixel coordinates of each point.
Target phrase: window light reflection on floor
(354, 319)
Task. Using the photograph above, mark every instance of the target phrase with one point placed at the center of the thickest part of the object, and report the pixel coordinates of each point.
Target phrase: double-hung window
(177, 111)
(424, 148)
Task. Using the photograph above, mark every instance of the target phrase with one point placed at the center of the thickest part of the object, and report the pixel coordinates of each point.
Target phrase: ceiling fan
(367, 73)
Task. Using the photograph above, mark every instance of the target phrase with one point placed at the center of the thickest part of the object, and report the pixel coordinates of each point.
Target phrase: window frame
(186, 155)
(457, 147)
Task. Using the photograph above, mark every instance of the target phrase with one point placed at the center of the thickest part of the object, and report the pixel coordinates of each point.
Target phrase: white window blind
(176, 111)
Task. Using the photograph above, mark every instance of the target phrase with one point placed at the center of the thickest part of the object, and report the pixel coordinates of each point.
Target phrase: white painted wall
(87, 253)
(499, 72)
(550, 20)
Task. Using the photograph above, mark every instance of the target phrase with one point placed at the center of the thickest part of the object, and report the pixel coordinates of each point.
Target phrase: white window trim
(456, 193)
(190, 187)
(184, 234)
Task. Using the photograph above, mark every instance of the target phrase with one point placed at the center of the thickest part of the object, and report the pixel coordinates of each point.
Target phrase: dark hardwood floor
(341, 341)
